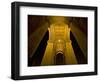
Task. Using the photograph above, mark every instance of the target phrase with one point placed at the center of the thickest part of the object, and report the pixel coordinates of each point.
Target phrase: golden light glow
(59, 41)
